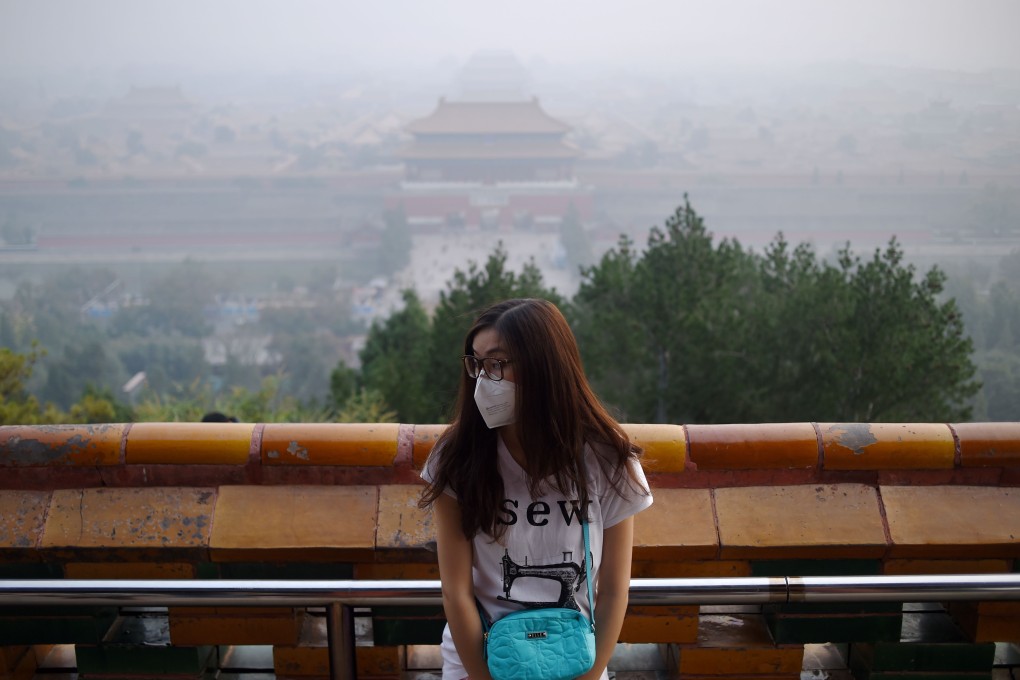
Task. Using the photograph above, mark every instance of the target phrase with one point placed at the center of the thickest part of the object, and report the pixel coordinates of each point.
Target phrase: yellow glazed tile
(318, 521)
(425, 437)
(402, 524)
(22, 516)
(753, 447)
(808, 521)
(887, 446)
(664, 446)
(678, 525)
(129, 518)
(989, 444)
(189, 443)
(954, 522)
(371, 444)
(50, 445)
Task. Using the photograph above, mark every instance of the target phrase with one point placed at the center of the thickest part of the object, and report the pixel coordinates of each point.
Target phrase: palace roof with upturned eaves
(488, 118)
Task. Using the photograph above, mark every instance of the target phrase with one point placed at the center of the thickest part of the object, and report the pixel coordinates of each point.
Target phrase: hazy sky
(282, 35)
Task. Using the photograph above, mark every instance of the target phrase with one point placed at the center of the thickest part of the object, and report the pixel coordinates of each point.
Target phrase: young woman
(530, 452)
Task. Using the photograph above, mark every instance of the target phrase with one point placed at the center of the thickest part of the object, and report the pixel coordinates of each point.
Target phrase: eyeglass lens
(492, 367)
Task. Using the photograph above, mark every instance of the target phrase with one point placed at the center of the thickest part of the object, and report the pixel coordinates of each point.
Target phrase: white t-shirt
(539, 561)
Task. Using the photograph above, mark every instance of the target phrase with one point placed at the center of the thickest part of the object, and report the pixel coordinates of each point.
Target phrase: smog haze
(641, 36)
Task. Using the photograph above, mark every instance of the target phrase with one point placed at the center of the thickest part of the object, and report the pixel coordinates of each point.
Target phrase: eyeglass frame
(479, 364)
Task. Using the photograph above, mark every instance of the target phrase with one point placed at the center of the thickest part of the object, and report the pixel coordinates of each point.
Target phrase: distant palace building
(490, 165)
(152, 108)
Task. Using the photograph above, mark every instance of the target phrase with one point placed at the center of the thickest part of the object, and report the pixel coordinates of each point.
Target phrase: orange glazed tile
(10, 656)
(956, 522)
(189, 443)
(401, 523)
(22, 516)
(311, 660)
(373, 444)
(381, 661)
(254, 522)
(18, 662)
(425, 437)
(741, 661)
(158, 517)
(236, 626)
(753, 447)
(665, 446)
(42, 445)
(989, 444)
(887, 446)
(294, 662)
(820, 521)
(678, 525)
(984, 622)
(677, 624)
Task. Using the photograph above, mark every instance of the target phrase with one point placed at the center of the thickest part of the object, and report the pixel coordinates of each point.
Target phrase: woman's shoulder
(615, 453)
(610, 469)
(603, 462)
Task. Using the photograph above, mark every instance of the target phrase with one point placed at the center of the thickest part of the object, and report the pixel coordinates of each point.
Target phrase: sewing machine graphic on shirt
(567, 574)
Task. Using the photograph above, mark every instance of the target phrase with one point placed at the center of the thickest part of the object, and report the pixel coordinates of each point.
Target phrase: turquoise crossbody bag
(542, 644)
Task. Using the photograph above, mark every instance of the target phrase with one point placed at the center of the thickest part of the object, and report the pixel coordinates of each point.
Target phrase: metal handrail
(341, 596)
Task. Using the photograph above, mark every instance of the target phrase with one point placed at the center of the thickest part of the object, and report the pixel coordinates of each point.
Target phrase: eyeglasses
(493, 367)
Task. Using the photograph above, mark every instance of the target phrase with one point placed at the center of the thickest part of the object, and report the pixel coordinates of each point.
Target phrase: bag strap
(484, 615)
(587, 574)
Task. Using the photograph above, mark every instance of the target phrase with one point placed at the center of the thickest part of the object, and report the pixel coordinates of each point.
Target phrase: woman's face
(486, 345)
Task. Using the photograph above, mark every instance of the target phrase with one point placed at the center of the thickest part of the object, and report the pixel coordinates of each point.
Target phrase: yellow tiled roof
(475, 118)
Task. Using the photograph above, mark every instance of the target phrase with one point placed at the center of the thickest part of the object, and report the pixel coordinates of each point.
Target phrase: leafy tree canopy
(692, 330)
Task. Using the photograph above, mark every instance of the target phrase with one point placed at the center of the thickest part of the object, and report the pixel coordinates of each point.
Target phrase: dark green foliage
(343, 385)
(693, 331)
(394, 358)
(66, 381)
(169, 363)
(575, 240)
(658, 331)
(395, 248)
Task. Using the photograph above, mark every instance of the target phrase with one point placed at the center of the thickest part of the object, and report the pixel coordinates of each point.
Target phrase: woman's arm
(613, 593)
(455, 559)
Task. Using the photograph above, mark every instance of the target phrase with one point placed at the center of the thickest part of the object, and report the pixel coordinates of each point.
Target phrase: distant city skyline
(272, 36)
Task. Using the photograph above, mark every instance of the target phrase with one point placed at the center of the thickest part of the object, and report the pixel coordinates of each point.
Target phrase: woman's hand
(613, 593)
(456, 556)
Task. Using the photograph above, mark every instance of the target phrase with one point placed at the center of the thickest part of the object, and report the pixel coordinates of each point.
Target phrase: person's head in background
(217, 417)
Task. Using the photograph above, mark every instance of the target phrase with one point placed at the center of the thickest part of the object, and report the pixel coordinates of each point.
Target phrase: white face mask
(495, 401)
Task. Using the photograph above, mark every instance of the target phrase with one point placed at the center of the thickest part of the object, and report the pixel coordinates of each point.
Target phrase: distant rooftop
(493, 76)
(515, 117)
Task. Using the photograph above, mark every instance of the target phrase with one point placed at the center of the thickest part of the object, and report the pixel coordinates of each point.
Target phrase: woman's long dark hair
(557, 413)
